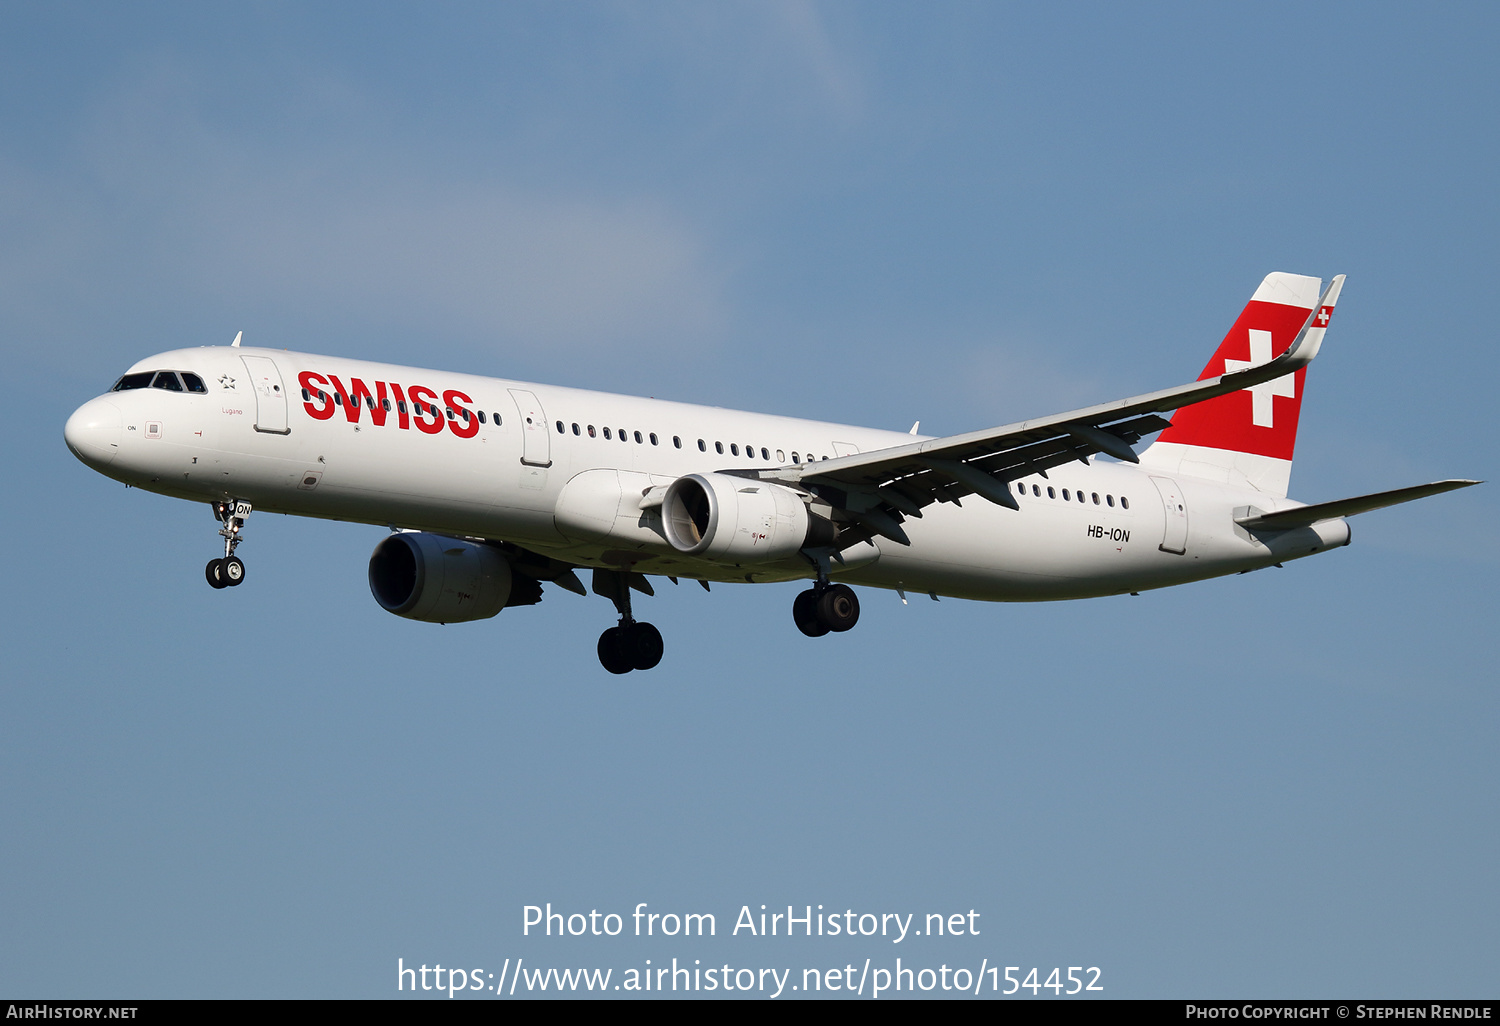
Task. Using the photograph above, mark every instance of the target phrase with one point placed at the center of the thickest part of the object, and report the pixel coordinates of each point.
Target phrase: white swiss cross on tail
(1262, 406)
(1251, 439)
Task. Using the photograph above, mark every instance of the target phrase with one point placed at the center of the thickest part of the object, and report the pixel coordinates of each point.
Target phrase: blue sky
(1282, 784)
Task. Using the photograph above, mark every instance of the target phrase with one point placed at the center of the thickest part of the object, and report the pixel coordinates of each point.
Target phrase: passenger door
(270, 397)
(1174, 538)
(536, 442)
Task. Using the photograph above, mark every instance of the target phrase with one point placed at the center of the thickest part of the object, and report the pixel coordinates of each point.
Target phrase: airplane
(492, 488)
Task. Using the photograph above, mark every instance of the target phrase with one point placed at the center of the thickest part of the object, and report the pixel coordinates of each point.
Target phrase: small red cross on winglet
(1324, 315)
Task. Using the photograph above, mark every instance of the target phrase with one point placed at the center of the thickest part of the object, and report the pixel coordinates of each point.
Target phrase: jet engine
(739, 520)
(441, 580)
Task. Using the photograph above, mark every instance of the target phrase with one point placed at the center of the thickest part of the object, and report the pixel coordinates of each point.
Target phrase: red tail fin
(1248, 436)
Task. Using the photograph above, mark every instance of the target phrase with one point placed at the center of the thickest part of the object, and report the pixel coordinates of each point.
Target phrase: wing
(876, 490)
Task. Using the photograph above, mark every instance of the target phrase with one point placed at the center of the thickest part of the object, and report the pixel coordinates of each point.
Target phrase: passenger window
(607, 435)
(385, 404)
(338, 398)
(1021, 488)
(1124, 502)
(592, 433)
(1066, 496)
(306, 396)
(167, 380)
(1109, 499)
(559, 426)
(370, 402)
(1082, 498)
(652, 436)
(764, 454)
(194, 383)
(1096, 498)
(432, 409)
(676, 442)
(576, 430)
(1051, 492)
(1036, 490)
(638, 438)
(719, 448)
(780, 456)
(702, 445)
(795, 458)
(496, 417)
(624, 435)
(400, 403)
(130, 381)
(481, 416)
(734, 447)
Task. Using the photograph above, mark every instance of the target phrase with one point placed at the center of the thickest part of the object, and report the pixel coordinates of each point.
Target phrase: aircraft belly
(1043, 551)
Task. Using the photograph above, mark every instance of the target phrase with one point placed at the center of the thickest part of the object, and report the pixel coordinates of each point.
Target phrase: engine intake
(440, 580)
(739, 520)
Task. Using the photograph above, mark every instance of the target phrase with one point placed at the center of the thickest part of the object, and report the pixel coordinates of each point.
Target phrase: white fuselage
(252, 437)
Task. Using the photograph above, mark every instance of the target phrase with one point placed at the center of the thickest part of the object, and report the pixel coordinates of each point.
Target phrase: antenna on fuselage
(237, 336)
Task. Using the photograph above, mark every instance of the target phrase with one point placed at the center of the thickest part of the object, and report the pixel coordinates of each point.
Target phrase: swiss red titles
(417, 404)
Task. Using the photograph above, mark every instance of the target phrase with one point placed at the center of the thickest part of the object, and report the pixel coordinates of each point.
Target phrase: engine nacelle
(738, 519)
(441, 580)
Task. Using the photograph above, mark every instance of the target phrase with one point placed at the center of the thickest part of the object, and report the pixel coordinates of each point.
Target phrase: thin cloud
(167, 206)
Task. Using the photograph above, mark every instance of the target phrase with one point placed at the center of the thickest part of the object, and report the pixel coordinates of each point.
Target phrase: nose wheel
(230, 570)
(819, 610)
(225, 573)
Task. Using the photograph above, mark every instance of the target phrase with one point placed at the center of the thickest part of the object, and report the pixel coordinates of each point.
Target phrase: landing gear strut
(632, 645)
(229, 571)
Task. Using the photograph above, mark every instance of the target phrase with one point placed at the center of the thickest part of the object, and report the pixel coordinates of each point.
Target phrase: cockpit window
(129, 381)
(168, 381)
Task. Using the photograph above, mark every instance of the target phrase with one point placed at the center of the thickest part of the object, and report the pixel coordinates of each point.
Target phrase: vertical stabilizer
(1248, 437)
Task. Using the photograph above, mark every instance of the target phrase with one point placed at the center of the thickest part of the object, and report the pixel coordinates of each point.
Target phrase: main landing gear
(826, 607)
(632, 645)
(229, 571)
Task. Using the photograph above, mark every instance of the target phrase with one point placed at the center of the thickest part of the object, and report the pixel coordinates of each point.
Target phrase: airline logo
(414, 405)
(1261, 419)
(1262, 408)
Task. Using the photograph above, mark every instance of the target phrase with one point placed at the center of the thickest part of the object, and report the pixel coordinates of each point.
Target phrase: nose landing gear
(229, 571)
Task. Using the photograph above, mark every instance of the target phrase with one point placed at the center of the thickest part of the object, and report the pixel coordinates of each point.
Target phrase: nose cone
(94, 432)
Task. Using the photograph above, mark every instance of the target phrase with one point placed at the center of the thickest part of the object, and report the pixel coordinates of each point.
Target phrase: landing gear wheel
(233, 571)
(838, 607)
(805, 614)
(613, 652)
(643, 642)
(229, 571)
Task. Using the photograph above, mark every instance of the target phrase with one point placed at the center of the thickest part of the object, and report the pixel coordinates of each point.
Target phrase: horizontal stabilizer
(1305, 516)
